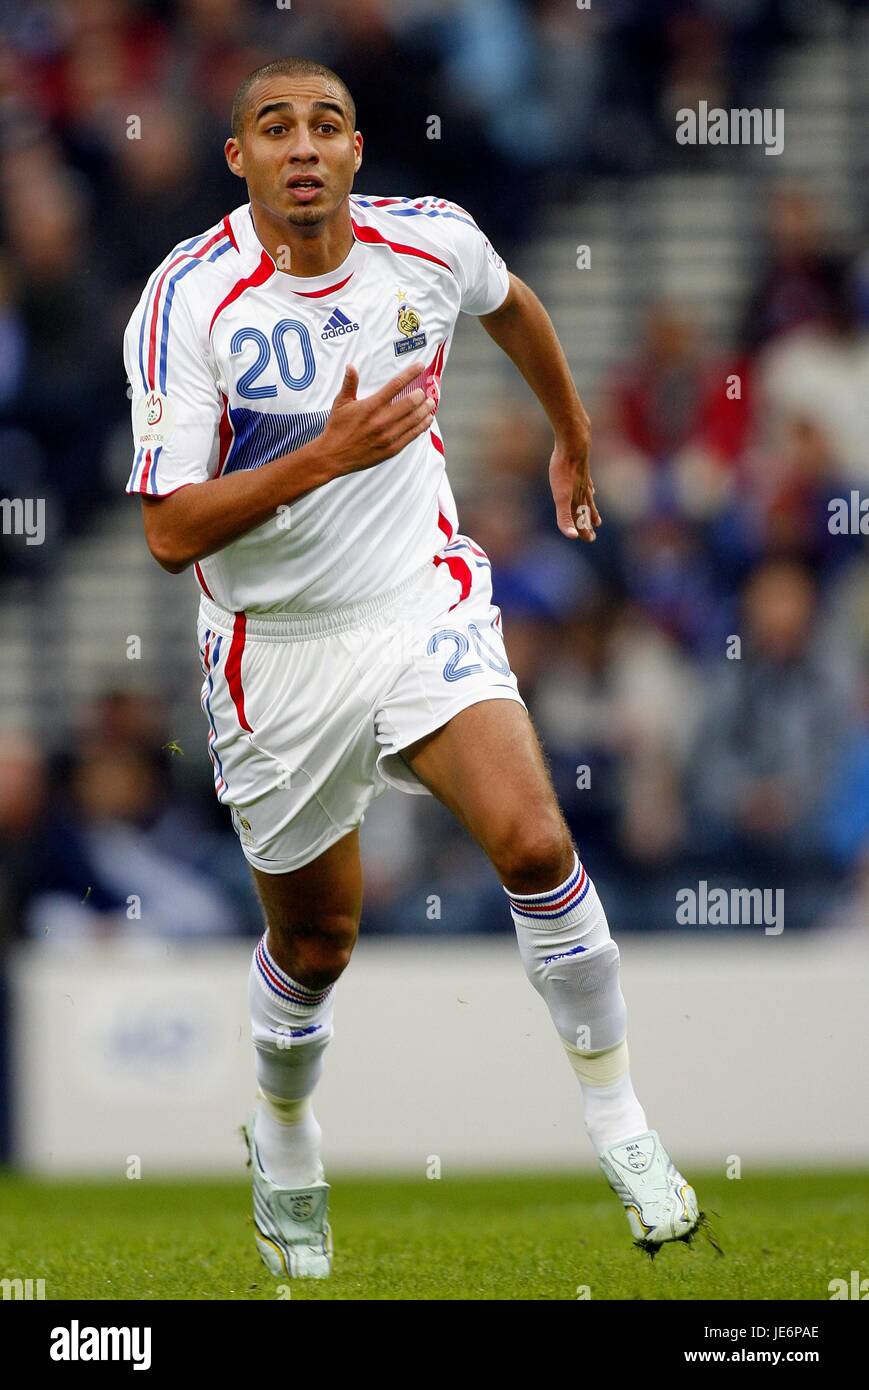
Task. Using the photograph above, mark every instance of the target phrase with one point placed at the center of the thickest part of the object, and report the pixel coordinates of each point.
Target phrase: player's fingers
(397, 384)
(418, 420)
(564, 514)
(402, 414)
(349, 386)
(595, 514)
(397, 413)
(417, 426)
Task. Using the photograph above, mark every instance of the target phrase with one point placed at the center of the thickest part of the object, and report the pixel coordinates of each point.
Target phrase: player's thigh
(313, 912)
(486, 764)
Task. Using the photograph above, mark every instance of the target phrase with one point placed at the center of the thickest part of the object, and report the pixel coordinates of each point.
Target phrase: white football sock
(288, 1141)
(291, 1027)
(612, 1110)
(573, 963)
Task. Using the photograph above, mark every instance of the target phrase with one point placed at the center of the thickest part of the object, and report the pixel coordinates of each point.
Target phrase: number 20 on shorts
(453, 671)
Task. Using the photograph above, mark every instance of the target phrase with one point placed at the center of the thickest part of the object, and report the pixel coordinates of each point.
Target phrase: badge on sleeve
(496, 260)
(153, 420)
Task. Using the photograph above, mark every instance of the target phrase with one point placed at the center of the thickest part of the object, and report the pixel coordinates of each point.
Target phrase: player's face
(299, 152)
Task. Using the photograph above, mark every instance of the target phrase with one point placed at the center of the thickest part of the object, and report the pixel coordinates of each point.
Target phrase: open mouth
(304, 186)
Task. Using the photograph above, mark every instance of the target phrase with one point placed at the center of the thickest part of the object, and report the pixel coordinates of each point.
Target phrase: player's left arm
(522, 328)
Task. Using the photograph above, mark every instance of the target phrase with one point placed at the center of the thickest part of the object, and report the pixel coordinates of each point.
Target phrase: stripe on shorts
(207, 692)
(233, 669)
(459, 570)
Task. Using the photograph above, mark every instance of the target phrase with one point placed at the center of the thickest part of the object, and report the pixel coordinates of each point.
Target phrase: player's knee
(536, 855)
(318, 952)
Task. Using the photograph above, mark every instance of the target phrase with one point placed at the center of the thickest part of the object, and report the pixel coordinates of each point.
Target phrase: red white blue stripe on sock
(281, 985)
(557, 902)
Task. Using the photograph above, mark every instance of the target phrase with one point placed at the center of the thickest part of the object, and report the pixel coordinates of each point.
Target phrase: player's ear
(357, 144)
(234, 156)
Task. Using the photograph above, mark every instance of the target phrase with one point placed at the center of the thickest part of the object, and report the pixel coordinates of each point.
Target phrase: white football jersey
(233, 362)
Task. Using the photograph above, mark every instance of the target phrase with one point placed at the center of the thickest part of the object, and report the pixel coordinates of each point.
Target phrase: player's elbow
(169, 552)
(168, 556)
(170, 562)
(166, 541)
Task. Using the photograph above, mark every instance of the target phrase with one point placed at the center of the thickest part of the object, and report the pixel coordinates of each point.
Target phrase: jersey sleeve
(480, 271)
(176, 402)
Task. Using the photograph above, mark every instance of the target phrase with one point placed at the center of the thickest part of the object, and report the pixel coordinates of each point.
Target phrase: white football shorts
(308, 713)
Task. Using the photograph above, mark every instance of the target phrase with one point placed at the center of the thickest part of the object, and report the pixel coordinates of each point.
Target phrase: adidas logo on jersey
(337, 325)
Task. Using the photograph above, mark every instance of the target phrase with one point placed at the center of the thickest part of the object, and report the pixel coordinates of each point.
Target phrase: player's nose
(303, 150)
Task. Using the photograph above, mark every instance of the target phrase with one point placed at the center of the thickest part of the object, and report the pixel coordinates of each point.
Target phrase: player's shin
(573, 963)
(291, 1028)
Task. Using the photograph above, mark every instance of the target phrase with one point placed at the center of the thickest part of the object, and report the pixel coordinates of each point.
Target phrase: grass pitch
(784, 1236)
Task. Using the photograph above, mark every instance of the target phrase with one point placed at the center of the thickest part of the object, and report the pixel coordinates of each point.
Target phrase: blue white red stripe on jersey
(185, 258)
(422, 207)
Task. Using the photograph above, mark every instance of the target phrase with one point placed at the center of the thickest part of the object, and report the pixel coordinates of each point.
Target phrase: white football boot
(660, 1204)
(291, 1228)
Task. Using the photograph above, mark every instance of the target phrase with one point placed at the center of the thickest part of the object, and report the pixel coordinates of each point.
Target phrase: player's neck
(305, 251)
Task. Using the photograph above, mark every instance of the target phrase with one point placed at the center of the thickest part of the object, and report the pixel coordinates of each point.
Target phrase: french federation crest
(409, 326)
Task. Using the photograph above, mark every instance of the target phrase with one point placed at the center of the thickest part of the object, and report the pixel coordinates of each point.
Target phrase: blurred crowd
(698, 678)
(701, 678)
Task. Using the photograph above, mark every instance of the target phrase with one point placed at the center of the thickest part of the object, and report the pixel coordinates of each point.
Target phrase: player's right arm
(197, 520)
